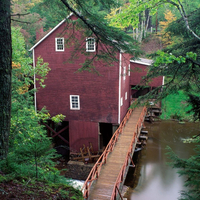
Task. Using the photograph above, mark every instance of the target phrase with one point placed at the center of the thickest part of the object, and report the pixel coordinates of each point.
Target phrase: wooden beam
(62, 138)
(55, 133)
(66, 127)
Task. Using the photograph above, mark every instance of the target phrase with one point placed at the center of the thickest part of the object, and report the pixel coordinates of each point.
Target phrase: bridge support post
(119, 193)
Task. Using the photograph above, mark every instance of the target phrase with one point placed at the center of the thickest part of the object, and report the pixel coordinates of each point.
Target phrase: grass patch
(175, 106)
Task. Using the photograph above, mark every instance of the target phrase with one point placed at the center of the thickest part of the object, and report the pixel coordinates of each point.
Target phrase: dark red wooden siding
(98, 93)
(140, 70)
(125, 85)
(83, 132)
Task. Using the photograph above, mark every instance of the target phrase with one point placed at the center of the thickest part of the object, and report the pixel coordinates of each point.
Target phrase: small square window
(90, 45)
(74, 102)
(59, 44)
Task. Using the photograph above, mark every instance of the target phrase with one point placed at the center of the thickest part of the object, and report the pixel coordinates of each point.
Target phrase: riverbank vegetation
(175, 106)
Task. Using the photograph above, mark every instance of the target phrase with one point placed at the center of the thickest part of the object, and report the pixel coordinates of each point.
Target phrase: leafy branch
(181, 9)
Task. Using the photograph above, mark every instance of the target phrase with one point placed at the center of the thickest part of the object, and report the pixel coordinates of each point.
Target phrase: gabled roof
(142, 61)
(51, 31)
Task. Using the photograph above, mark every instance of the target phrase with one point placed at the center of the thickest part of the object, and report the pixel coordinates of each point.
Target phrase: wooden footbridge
(107, 177)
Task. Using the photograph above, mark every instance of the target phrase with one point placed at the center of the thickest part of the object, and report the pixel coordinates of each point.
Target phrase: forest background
(28, 160)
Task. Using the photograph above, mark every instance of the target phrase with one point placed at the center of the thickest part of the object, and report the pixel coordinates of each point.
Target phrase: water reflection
(153, 178)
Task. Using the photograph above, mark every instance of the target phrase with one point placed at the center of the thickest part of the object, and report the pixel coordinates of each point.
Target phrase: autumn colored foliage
(164, 35)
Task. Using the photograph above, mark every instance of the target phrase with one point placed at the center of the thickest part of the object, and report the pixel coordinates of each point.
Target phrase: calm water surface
(153, 178)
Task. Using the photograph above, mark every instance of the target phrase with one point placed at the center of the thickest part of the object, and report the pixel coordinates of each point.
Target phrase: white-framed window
(121, 101)
(124, 73)
(74, 102)
(129, 70)
(90, 45)
(126, 96)
(59, 43)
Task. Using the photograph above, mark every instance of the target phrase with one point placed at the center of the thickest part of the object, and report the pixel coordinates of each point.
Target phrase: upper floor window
(121, 103)
(74, 102)
(59, 44)
(124, 73)
(129, 70)
(90, 45)
(126, 96)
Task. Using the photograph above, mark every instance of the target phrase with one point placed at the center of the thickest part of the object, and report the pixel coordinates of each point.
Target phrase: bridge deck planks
(103, 187)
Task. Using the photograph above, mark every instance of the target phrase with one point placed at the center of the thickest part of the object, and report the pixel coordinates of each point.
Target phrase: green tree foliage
(30, 156)
(29, 21)
(129, 14)
(190, 168)
(30, 153)
(50, 12)
(132, 13)
(194, 100)
(180, 62)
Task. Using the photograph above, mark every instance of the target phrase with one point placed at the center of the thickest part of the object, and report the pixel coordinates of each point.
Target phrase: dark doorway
(106, 133)
(60, 145)
(139, 91)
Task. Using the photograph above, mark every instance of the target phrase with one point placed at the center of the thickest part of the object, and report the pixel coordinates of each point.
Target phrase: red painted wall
(138, 71)
(125, 84)
(98, 93)
(83, 132)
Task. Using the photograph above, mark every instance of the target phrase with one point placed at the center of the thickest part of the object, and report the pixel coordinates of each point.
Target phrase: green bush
(175, 106)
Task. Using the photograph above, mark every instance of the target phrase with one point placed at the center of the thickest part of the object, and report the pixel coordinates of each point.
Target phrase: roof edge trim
(140, 62)
(50, 32)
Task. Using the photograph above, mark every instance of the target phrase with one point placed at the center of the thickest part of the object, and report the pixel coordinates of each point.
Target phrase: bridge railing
(122, 172)
(94, 173)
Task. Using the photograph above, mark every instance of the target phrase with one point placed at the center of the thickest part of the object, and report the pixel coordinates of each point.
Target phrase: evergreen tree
(30, 152)
(190, 168)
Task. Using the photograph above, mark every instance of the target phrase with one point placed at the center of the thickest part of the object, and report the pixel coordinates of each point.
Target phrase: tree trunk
(141, 31)
(137, 33)
(5, 76)
(147, 24)
(134, 34)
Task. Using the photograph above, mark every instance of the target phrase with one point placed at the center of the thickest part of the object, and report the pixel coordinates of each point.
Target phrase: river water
(153, 178)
